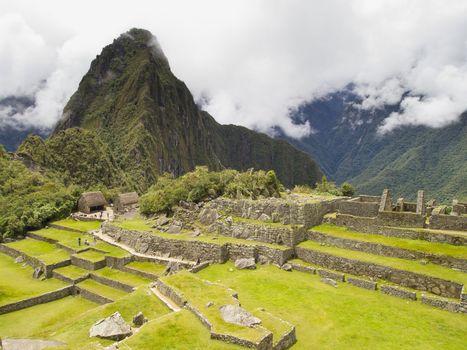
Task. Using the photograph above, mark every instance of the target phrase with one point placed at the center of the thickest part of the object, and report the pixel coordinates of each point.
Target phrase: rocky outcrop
(248, 263)
(113, 327)
(237, 315)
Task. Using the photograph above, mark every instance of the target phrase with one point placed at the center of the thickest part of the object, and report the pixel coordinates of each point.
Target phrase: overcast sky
(254, 61)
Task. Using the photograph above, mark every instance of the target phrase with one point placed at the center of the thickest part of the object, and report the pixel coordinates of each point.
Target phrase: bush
(347, 189)
(202, 184)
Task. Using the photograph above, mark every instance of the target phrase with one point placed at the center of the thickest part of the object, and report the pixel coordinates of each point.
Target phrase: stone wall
(358, 207)
(263, 232)
(397, 292)
(96, 298)
(448, 222)
(171, 293)
(87, 264)
(148, 275)
(112, 283)
(400, 219)
(41, 299)
(444, 304)
(117, 263)
(360, 268)
(286, 341)
(358, 282)
(331, 274)
(67, 279)
(380, 249)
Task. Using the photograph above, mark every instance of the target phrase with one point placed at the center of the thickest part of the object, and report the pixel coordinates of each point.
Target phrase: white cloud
(254, 60)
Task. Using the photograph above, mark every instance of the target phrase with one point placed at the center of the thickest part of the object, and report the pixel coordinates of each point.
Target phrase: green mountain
(347, 146)
(138, 120)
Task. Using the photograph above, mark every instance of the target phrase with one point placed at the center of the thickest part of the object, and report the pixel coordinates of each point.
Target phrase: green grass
(401, 264)
(102, 289)
(72, 271)
(41, 320)
(43, 251)
(176, 331)
(79, 225)
(264, 223)
(16, 282)
(347, 317)
(145, 266)
(412, 244)
(199, 293)
(136, 224)
(74, 331)
(430, 230)
(110, 249)
(124, 277)
(91, 255)
(67, 238)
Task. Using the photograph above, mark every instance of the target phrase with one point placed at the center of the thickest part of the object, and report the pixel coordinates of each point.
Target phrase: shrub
(347, 189)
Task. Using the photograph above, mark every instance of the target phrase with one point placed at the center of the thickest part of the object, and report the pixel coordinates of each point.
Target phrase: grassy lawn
(199, 293)
(91, 255)
(16, 282)
(146, 266)
(110, 249)
(75, 330)
(67, 238)
(136, 224)
(72, 271)
(401, 264)
(124, 277)
(41, 320)
(43, 251)
(342, 318)
(102, 289)
(430, 230)
(412, 244)
(176, 331)
(79, 225)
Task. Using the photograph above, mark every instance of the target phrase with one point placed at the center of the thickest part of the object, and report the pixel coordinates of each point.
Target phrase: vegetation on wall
(202, 184)
(326, 187)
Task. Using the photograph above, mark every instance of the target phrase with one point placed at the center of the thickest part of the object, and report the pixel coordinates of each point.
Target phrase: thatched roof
(127, 198)
(92, 199)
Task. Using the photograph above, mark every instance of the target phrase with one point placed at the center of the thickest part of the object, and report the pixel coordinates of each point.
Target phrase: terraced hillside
(305, 275)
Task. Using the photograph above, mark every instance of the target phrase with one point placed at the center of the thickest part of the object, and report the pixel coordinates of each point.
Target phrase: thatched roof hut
(91, 201)
(126, 200)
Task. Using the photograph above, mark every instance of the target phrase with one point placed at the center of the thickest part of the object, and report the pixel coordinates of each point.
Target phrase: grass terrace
(102, 289)
(176, 331)
(67, 238)
(91, 255)
(430, 230)
(72, 271)
(75, 330)
(396, 263)
(199, 293)
(149, 267)
(16, 282)
(347, 317)
(124, 277)
(135, 224)
(411, 244)
(79, 225)
(43, 251)
(110, 249)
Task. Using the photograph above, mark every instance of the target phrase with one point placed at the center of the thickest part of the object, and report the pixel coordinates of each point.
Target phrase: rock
(288, 191)
(263, 260)
(264, 217)
(174, 229)
(172, 268)
(208, 216)
(139, 319)
(113, 327)
(37, 273)
(209, 304)
(186, 205)
(275, 217)
(162, 220)
(286, 267)
(19, 259)
(196, 232)
(237, 315)
(245, 263)
(229, 220)
(423, 262)
(329, 281)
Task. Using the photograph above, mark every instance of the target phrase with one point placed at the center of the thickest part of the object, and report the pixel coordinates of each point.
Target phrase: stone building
(91, 201)
(128, 200)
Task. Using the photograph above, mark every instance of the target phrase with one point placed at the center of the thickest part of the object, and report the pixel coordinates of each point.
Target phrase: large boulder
(113, 327)
(237, 315)
(172, 268)
(174, 229)
(139, 319)
(264, 217)
(245, 263)
(208, 216)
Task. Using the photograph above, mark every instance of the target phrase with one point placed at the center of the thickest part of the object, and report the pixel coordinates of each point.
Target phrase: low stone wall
(442, 304)
(199, 267)
(303, 268)
(400, 219)
(41, 238)
(117, 263)
(381, 249)
(140, 273)
(171, 293)
(64, 228)
(87, 264)
(263, 344)
(369, 225)
(263, 232)
(41, 299)
(48, 272)
(67, 279)
(112, 283)
(358, 282)
(357, 207)
(274, 255)
(96, 298)
(360, 268)
(397, 292)
(162, 261)
(331, 274)
(448, 222)
(286, 341)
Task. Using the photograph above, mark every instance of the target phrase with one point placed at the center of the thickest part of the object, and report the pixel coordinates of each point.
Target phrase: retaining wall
(358, 282)
(397, 292)
(360, 268)
(96, 298)
(41, 299)
(442, 304)
(140, 273)
(448, 222)
(358, 207)
(87, 264)
(112, 283)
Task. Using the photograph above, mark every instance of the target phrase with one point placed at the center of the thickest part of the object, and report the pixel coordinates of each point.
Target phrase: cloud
(252, 62)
